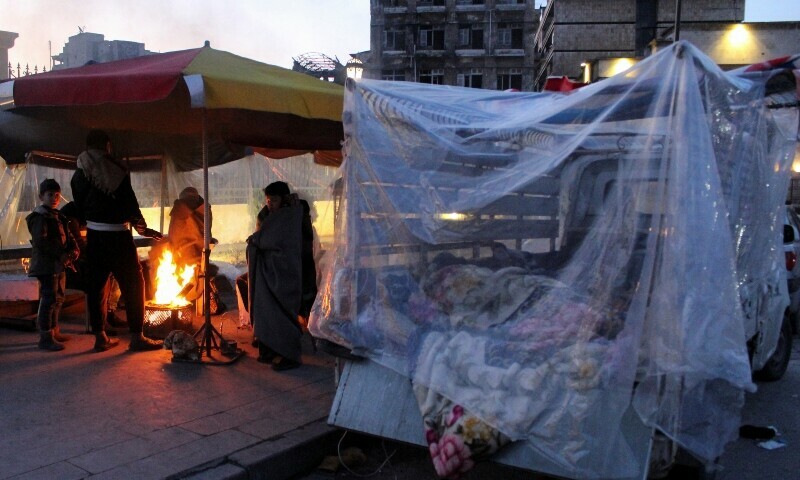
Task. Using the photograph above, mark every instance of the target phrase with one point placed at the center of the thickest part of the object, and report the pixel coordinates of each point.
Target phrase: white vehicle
(791, 248)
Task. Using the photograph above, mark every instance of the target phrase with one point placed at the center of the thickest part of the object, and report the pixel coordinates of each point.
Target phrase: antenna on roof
(81, 29)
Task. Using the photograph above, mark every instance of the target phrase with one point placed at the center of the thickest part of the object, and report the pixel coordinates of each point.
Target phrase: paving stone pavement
(77, 414)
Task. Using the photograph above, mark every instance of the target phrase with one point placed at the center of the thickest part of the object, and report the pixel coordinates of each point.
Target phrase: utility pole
(677, 20)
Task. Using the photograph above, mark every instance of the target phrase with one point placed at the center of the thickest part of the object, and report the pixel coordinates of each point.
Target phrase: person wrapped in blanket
(185, 235)
(274, 267)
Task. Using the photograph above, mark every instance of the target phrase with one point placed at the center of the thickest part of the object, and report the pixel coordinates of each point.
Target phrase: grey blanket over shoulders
(275, 268)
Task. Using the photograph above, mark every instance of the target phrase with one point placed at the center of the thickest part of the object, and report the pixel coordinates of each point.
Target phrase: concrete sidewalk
(119, 415)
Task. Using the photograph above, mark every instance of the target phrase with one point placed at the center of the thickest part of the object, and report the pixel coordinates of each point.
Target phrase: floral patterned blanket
(522, 353)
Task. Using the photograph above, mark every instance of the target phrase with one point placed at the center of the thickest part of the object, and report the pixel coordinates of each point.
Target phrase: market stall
(184, 110)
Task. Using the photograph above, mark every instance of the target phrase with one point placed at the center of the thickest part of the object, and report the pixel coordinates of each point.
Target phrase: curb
(281, 458)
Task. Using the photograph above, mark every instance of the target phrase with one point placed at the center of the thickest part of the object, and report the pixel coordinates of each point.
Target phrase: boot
(48, 342)
(103, 343)
(140, 343)
(60, 337)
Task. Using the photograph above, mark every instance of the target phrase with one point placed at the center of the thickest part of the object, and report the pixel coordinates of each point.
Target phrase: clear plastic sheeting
(545, 261)
(235, 191)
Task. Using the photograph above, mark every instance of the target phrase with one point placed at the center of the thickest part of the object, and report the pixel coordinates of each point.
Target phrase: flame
(26, 263)
(170, 281)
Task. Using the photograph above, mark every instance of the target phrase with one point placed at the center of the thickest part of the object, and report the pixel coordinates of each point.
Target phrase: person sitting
(186, 241)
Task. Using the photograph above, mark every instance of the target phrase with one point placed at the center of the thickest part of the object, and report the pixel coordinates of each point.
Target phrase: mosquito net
(537, 264)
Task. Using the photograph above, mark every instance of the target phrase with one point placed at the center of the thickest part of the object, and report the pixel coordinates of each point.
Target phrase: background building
(472, 43)
(574, 31)
(6, 42)
(85, 47)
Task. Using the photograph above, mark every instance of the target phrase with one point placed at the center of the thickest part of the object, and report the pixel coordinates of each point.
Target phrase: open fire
(171, 282)
(169, 310)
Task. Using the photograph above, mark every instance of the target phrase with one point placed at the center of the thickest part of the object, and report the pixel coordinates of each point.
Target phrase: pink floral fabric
(456, 438)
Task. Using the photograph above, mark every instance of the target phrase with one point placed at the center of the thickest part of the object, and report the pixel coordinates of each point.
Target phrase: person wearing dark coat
(309, 268)
(102, 189)
(76, 277)
(274, 267)
(54, 250)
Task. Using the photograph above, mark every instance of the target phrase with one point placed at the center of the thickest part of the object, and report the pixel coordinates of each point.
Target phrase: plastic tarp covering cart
(536, 263)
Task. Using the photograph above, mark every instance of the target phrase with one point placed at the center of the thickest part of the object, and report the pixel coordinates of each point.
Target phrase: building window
(512, 78)
(431, 37)
(396, 75)
(509, 35)
(469, 2)
(473, 78)
(430, 3)
(393, 3)
(510, 2)
(470, 36)
(434, 76)
(394, 40)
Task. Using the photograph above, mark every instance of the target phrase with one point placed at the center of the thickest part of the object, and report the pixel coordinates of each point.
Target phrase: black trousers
(51, 298)
(113, 253)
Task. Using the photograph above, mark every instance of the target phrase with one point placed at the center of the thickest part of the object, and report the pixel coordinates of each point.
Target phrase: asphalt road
(775, 404)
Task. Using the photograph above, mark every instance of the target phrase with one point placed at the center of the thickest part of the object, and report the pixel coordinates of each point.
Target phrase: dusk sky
(271, 31)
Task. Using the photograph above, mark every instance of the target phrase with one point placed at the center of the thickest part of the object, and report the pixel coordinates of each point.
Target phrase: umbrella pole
(208, 336)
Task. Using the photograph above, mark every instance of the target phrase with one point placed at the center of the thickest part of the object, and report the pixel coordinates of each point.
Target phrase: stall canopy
(538, 264)
(210, 103)
(160, 102)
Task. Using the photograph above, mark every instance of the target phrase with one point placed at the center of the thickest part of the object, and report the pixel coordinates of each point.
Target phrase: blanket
(275, 270)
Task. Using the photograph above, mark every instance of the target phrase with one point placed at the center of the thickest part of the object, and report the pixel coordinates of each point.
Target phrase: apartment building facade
(472, 43)
(572, 31)
(93, 47)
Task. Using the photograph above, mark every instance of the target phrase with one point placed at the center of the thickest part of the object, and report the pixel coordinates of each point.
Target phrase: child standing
(54, 250)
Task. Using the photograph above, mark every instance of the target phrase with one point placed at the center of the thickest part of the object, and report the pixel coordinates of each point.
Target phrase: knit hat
(277, 189)
(49, 185)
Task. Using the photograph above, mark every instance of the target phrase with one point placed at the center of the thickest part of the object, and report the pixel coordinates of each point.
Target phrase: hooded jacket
(51, 239)
(101, 187)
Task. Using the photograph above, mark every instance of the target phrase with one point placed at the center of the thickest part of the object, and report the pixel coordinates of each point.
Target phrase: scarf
(102, 170)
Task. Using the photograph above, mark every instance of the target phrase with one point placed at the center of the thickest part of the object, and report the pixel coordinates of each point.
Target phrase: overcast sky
(271, 31)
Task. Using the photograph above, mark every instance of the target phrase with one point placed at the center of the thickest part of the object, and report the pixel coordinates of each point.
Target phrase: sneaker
(140, 343)
(103, 343)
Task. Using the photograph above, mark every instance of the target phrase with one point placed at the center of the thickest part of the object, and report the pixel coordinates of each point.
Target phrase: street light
(355, 68)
